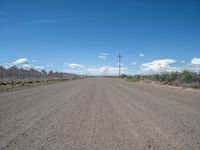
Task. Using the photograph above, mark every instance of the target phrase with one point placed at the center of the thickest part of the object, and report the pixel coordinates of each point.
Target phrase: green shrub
(187, 77)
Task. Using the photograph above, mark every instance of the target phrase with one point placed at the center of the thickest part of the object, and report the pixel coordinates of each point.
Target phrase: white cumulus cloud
(158, 65)
(104, 69)
(74, 66)
(21, 61)
(195, 61)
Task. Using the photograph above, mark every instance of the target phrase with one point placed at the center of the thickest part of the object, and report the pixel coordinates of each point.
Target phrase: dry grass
(15, 84)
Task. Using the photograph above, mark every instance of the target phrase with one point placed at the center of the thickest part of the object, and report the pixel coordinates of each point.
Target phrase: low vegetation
(14, 78)
(186, 79)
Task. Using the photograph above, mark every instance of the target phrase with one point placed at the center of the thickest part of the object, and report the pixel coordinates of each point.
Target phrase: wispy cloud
(75, 66)
(38, 67)
(103, 55)
(3, 12)
(49, 65)
(29, 66)
(49, 21)
(134, 63)
(141, 55)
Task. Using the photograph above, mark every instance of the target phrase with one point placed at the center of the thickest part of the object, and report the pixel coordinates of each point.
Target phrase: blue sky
(76, 35)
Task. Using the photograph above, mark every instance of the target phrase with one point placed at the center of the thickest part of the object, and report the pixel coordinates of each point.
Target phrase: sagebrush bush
(185, 78)
(195, 85)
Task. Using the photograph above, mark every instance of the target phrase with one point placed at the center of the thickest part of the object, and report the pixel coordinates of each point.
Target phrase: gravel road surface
(100, 114)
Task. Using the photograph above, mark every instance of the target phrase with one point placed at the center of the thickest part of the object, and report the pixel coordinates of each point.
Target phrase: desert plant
(187, 77)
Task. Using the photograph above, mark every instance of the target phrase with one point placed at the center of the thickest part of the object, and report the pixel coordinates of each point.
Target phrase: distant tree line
(185, 78)
(19, 73)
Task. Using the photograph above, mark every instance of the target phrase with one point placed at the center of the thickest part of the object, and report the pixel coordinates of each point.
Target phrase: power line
(119, 63)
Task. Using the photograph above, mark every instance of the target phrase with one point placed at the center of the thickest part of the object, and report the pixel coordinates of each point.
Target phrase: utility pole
(119, 63)
(10, 73)
(199, 78)
(86, 72)
(106, 71)
(1, 73)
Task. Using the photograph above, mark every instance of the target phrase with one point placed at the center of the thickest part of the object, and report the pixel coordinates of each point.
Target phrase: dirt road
(100, 114)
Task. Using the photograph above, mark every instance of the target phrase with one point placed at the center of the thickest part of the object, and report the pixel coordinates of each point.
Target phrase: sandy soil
(100, 114)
